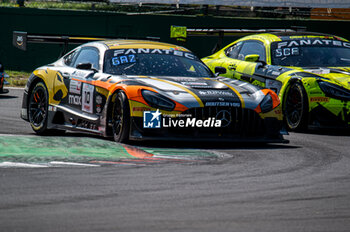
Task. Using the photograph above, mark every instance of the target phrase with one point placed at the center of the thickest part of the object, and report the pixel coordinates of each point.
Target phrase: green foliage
(100, 6)
(17, 78)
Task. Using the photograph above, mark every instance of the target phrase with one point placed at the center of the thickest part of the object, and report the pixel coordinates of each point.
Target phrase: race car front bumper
(322, 117)
(266, 130)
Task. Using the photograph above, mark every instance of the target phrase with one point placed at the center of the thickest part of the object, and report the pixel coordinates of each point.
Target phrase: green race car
(310, 72)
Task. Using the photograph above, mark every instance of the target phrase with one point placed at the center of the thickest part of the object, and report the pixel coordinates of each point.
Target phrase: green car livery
(310, 72)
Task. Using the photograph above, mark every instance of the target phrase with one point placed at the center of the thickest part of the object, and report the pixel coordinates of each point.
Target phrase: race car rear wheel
(296, 107)
(38, 108)
(121, 118)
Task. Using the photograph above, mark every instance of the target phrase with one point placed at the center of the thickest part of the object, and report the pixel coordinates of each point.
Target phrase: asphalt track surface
(301, 186)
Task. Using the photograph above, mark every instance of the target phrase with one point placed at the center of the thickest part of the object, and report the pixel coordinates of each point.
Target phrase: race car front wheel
(38, 108)
(121, 118)
(296, 107)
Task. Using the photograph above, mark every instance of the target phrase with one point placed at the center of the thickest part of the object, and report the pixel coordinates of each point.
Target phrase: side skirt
(66, 118)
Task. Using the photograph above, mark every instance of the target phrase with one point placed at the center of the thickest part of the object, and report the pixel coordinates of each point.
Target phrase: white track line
(50, 164)
(21, 165)
(13, 87)
(73, 164)
(16, 135)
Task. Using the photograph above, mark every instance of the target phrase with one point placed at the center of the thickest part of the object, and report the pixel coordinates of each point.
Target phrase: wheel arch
(291, 81)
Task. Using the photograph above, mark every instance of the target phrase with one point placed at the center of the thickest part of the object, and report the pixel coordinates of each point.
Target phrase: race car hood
(338, 75)
(199, 92)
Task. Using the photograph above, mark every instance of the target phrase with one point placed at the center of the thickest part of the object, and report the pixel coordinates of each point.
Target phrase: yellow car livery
(310, 72)
(138, 90)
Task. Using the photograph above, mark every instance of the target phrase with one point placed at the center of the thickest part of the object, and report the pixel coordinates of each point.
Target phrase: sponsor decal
(75, 87)
(155, 119)
(278, 112)
(194, 83)
(231, 104)
(74, 100)
(187, 79)
(87, 99)
(139, 108)
(291, 48)
(98, 109)
(79, 74)
(318, 71)
(276, 73)
(131, 51)
(99, 99)
(319, 99)
(53, 108)
(313, 42)
(215, 92)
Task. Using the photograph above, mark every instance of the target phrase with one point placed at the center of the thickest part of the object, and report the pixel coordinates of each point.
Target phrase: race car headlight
(158, 101)
(266, 104)
(334, 91)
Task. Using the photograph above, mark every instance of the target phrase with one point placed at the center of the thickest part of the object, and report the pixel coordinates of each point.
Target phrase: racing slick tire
(121, 118)
(38, 108)
(295, 107)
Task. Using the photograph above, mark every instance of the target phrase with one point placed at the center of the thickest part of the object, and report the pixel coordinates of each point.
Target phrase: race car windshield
(311, 53)
(155, 62)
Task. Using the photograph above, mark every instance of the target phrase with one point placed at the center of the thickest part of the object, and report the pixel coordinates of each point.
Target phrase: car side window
(252, 47)
(69, 58)
(233, 51)
(88, 55)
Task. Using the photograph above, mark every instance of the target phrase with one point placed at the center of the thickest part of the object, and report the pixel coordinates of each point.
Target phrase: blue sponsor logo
(152, 119)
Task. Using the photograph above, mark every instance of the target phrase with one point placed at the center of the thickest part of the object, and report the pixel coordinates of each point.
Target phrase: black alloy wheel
(296, 107)
(121, 118)
(38, 108)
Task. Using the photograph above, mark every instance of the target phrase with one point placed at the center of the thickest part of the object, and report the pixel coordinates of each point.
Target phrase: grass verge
(17, 78)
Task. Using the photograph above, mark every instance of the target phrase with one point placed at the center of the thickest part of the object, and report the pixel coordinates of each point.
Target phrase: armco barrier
(89, 23)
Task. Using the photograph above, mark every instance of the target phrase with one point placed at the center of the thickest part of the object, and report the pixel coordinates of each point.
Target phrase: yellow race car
(309, 71)
(138, 90)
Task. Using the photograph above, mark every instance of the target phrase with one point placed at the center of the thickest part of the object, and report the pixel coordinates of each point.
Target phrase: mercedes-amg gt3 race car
(309, 71)
(138, 90)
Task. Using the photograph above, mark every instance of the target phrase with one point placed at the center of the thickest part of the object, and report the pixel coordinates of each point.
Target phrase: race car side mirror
(252, 58)
(219, 70)
(86, 66)
(255, 58)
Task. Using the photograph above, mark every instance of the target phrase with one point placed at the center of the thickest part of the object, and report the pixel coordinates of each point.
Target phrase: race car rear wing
(231, 32)
(20, 39)
(184, 32)
(181, 33)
